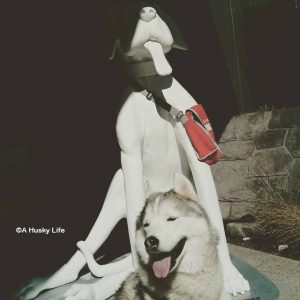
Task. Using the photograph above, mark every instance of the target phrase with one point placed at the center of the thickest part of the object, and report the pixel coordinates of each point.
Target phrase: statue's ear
(179, 42)
(184, 187)
(112, 39)
(123, 19)
(114, 49)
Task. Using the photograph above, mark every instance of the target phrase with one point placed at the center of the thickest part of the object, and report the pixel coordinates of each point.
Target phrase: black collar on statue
(144, 78)
(140, 69)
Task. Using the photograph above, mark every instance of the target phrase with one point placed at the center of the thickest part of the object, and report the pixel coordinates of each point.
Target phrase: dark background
(58, 148)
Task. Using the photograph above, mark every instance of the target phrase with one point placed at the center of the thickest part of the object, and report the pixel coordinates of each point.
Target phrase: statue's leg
(113, 209)
(100, 290)
(98, 270)
(207, 195)
(135, 200)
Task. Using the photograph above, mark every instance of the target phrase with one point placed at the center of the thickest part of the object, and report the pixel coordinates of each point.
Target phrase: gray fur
(202, 281)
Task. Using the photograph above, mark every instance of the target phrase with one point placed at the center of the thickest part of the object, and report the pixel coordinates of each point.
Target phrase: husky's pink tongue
(161, 268)
(160, 62)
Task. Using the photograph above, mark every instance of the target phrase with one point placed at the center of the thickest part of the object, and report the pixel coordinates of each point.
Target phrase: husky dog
(154, 146)
(177, 250)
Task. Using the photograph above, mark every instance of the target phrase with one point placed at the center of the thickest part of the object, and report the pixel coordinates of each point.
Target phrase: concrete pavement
(284, 272)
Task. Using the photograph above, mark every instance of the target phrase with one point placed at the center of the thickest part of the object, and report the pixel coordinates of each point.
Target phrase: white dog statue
(154, 146)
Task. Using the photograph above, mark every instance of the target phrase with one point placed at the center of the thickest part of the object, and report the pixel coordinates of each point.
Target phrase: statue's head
(143, 32)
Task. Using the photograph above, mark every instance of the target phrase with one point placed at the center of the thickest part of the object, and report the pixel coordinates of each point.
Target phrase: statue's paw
(31, 289)
(63, 276)
(80, 292)
(234, 281)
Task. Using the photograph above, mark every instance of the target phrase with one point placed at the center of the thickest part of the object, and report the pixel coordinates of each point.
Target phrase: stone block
(259, 186)
(231, 130)
(246, 126)
(235, 150)
(294, 179)
(253, 124)
(242, 208)
(225, 209)
(270, 138)
(241, 230)
(279, 183)
(230, 179)
(285, 118)
(260, 160)
(270, 162)
(293, 141)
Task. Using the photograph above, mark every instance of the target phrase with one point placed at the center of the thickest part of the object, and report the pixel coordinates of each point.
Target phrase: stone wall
(261, 148)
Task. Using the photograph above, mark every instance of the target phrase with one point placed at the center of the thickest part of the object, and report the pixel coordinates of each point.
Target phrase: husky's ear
(184, 187)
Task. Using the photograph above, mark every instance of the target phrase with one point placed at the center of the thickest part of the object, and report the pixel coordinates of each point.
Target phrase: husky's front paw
(234, 281)
(80, 292)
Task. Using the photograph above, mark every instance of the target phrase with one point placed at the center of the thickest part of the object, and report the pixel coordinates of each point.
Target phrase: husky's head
(173, 231)
(144, 33)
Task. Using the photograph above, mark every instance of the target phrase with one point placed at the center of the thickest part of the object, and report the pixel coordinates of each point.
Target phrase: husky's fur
(195, 273)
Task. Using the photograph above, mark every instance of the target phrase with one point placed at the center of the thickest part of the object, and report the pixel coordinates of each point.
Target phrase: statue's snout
(147, 14)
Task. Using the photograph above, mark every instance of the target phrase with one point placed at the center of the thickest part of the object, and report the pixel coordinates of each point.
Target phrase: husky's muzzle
(162, 263)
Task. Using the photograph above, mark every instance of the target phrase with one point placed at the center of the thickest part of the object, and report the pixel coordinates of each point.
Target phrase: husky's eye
(146, 225)
(171, 219)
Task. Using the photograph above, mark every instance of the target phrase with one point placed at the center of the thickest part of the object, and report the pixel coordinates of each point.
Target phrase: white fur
(196, 273)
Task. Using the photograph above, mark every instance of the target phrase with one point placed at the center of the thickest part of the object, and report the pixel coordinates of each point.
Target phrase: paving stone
(284, 272)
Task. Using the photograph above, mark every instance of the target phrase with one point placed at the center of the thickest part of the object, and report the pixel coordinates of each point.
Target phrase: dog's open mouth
(163, 262)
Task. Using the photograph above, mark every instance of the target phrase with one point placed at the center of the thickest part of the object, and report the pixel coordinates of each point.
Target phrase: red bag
(196, 124)
(201, 135)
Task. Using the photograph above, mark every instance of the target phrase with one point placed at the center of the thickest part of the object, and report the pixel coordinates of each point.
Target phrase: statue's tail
(124, 264)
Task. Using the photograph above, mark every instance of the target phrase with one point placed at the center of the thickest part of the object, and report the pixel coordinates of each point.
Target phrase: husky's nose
(151, 243)
(147, 14)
